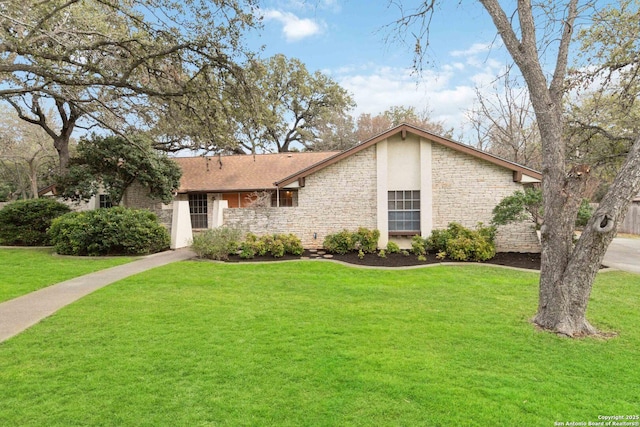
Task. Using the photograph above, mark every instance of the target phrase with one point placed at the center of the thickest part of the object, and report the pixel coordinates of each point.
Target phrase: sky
(352, 42)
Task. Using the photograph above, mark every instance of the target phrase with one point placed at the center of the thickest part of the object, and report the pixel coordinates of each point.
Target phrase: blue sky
(346, 39)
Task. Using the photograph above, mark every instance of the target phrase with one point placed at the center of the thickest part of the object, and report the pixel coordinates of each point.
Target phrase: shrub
(345, 241)
(216, 243)
(292, 244)
(25, 222)
(366, 239)
(463, 244)
(393, 248)
(275, 244)
(339, 243)
(113, 231)
(418, 246)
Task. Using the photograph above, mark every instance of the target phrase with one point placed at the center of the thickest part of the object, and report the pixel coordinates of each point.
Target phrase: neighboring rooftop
(243, 172)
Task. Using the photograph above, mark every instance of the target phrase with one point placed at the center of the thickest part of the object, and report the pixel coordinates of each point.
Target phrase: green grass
(26, 270)
(311, 343)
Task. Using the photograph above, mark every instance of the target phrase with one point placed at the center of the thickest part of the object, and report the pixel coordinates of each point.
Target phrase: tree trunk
(563, 303)
(62, 146)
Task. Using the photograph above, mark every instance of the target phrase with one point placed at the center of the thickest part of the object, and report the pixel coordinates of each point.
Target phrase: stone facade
(466, 189)
(341, 196)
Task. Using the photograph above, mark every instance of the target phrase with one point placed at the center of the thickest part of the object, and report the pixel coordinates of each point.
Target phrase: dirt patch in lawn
(511, 259)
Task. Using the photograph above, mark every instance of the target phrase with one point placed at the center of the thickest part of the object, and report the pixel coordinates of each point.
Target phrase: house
(403, 182)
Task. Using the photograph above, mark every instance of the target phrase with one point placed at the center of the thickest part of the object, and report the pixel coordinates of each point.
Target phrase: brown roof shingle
(242, 172)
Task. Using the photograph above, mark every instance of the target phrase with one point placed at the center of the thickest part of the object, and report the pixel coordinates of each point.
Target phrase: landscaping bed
(510, 259)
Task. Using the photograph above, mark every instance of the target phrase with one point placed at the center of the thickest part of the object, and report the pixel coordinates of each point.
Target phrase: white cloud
(448, 93)
(475, 49)
(293, 27)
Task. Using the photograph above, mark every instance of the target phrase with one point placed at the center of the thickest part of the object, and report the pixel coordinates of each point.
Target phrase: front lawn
(313, 343)
(26, 270)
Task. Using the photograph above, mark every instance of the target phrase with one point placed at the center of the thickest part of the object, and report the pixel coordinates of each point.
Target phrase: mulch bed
(512, 259)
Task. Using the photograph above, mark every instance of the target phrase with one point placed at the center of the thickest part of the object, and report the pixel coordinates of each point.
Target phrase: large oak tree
(100, 63)
(568, 270)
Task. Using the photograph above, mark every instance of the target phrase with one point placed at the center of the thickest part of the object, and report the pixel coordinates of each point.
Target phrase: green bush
(418, 246)
(393, 248)
(275, 244)
(366, 239)
(462, 244)
(345, 241)
(113, 231)
(216, 243)
(339, 243)
(26, 222)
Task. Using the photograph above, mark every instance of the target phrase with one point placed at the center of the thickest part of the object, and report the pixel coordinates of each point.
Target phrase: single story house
(403, 182)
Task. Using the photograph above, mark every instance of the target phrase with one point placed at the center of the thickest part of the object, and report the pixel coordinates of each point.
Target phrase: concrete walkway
(20, 313)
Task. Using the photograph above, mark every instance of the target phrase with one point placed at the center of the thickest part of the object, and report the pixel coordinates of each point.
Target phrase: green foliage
(584, 213)
(339, 243)
(114, 163)
(113, 231)
(277, 245)
(519, 206)
(527, 205)
(216, 243)
(287, 89)
(361, 254)
(366, 239)
(345, 241)
(463, 244)
(25, 222)
(393, 248)
(418, 245)
(382, 253)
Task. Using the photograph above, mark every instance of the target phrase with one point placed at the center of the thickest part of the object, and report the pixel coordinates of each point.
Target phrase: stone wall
(466, 189)
(341, 196)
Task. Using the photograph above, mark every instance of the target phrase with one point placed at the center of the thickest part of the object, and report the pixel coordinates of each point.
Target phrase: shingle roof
(242, 172)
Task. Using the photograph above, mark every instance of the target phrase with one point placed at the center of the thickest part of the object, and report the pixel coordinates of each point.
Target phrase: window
(288, 198)
(104, 201)
(404, 212)
(198, 210)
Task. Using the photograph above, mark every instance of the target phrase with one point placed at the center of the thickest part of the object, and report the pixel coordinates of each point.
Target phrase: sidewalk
(20, 313)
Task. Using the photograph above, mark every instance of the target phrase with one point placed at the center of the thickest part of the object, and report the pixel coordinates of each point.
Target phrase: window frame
(403, 210)
(199, 210)
(285, 202)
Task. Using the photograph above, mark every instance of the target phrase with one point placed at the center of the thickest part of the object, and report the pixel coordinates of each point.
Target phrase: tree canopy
(113, 163)
(100, 63)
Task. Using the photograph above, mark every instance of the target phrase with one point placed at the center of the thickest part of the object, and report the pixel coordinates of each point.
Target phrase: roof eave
(403, 129)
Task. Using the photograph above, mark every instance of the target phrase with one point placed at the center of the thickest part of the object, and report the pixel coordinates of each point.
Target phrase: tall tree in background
(99, 63)
(369, 126)
(27, 157)
(505, 125)
(289, 107)
(528, 32)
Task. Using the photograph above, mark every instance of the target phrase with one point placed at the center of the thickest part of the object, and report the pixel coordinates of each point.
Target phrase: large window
(404, 212)
(198, 210)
